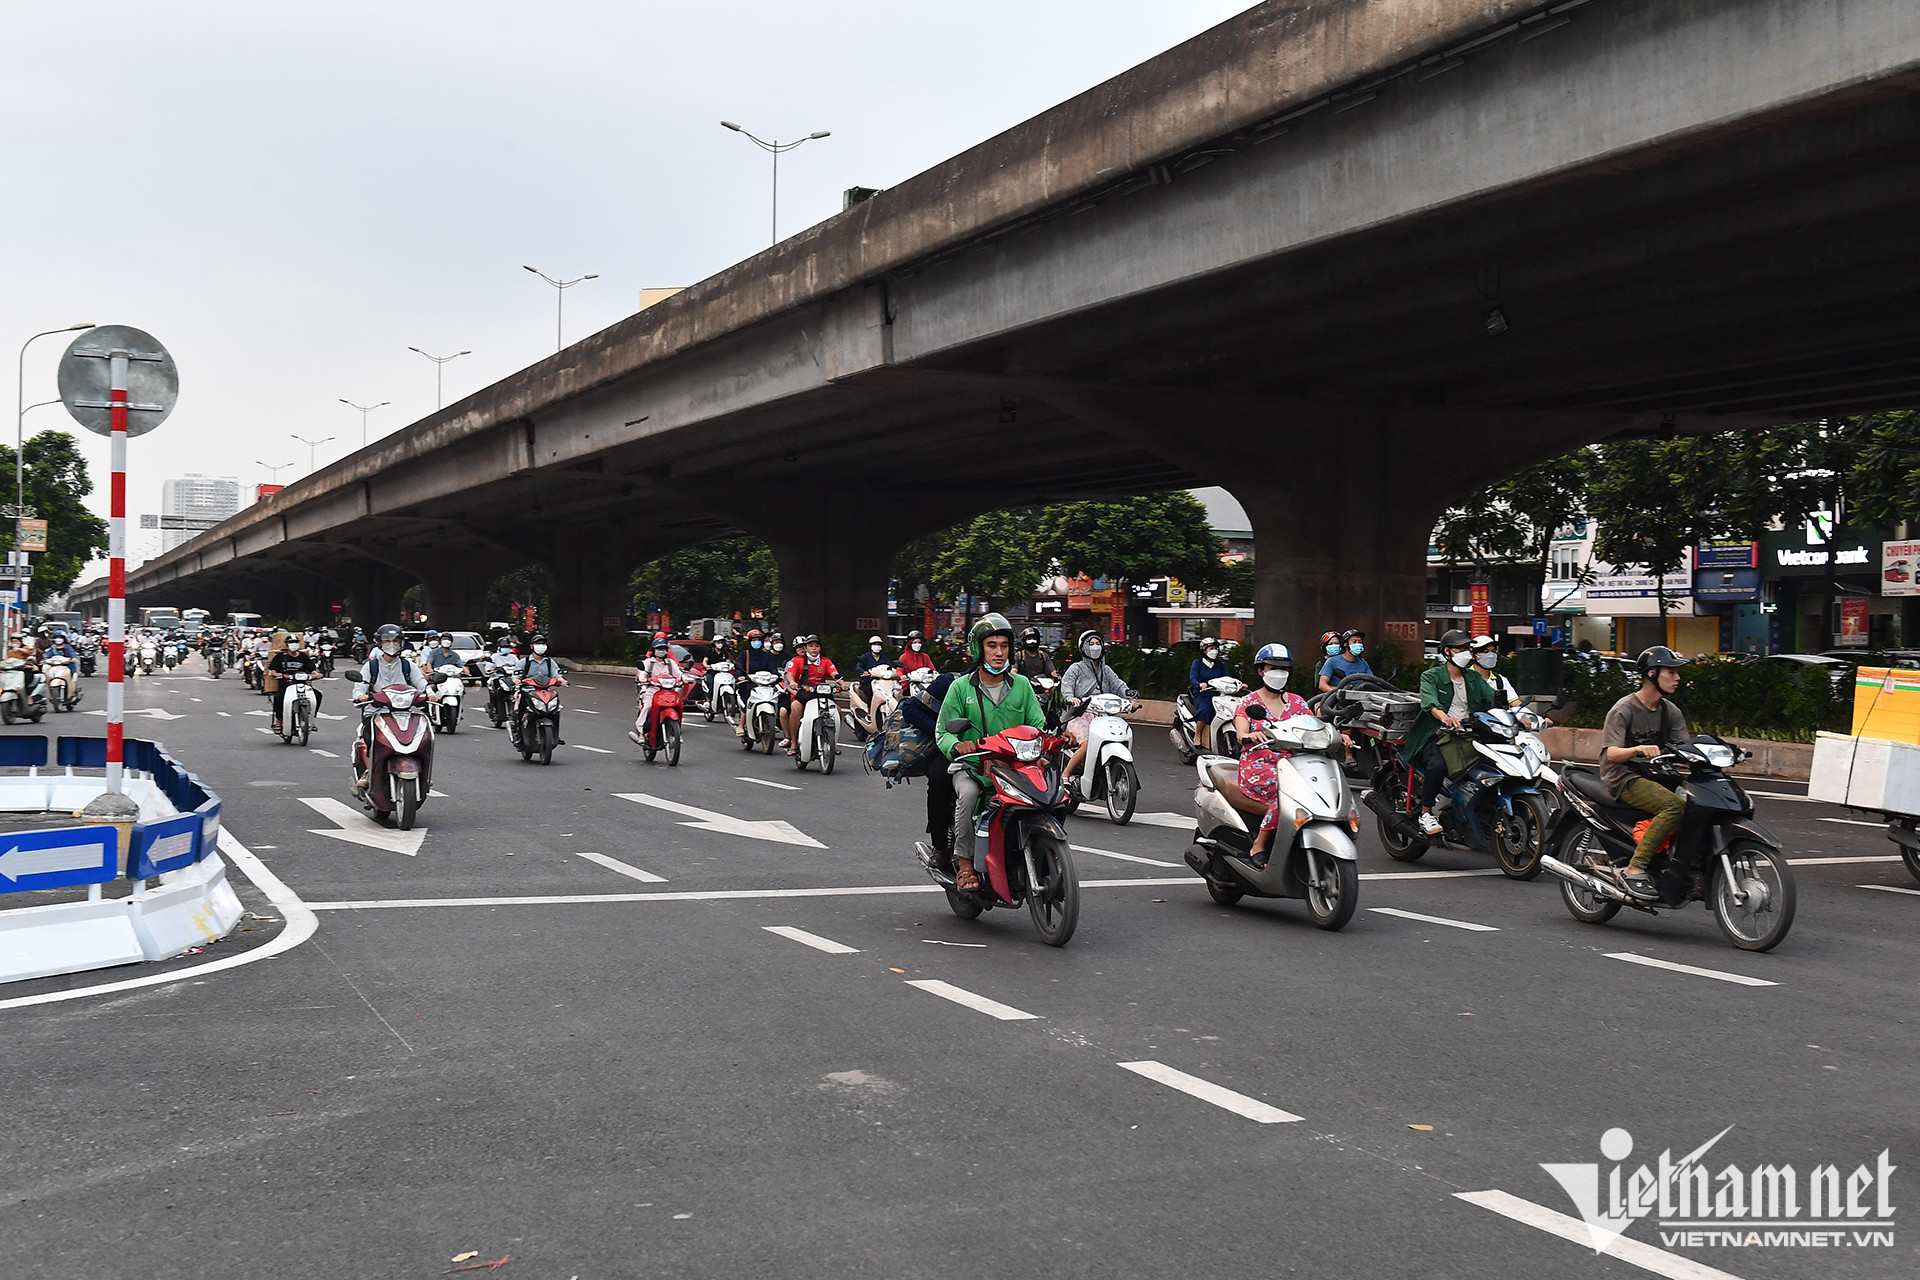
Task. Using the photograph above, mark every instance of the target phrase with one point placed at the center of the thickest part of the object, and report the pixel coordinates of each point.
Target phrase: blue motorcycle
(1498, 803)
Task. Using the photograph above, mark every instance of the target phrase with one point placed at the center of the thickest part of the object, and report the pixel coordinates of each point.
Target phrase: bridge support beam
(587, 575)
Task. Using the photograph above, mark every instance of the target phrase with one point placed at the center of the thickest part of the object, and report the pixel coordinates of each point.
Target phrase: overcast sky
(289, 196)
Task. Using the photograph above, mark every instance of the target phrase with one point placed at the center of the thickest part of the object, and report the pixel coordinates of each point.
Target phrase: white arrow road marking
(776, 830)
(435, 791)
(1722, 975)
(614, 864)
(1627, 1250)
(331, 755)
(1451, 924)
(158, 713)
(17, 862)
(762, 782)
(960, 995)
(357, 828)
(813, 940)
(1207, 1091)
(581, 746)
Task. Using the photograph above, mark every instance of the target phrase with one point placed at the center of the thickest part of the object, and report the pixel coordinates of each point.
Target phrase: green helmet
(990, 624)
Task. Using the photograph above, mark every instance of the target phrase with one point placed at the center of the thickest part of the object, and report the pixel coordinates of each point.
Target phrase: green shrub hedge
(1778, 701)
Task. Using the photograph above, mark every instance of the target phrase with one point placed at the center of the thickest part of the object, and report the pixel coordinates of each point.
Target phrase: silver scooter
(1221, 737)
(1317, 861)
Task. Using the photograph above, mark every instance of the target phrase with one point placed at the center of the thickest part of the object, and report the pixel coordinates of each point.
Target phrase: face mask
(996, 671)
(1489, 659)
(1333, 651)
(1275, 680)
(874, 647)
(1356, 648)
(1092, 651)
(1210, 654)
(778, 647)
(1462, 659)
(446, 644)
(390, 647)
(539, 649)
(753, 644)
(916, 646)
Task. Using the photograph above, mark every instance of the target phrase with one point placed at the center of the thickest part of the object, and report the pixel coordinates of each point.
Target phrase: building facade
(202, 500)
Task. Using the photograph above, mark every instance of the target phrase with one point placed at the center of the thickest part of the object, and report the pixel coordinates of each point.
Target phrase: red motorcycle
(401, 772)
(536, 719)
(1020, 836)
(662, 732)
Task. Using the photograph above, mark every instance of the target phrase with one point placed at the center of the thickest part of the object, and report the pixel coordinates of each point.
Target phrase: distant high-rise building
(204, 500)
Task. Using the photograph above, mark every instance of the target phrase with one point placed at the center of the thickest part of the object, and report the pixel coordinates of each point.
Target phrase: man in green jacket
(1450, 693)
(991, 697)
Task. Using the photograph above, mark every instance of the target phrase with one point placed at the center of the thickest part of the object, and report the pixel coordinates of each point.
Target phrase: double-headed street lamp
(273, 469)
(560, 288)
(775, 148)
(439, 369)
(20, 421)
(364, 409)
(312, 446)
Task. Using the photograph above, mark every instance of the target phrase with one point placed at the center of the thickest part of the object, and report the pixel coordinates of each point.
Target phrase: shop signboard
(1853, 623)
(1800, 553)
(1900, 568)
(1726, 586)
(1049, 606)
(1727, 553)
(1080, 592)
(1482, 622)
(1176, 591)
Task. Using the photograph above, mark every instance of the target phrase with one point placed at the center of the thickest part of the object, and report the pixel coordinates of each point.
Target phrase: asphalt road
(564, 1031)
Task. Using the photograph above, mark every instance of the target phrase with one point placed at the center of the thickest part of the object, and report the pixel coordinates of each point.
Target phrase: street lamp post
(439, 367)
(312, 446)
(560, 288)
(20, 424)
(775, 148)
(272, 469)
(364, 409)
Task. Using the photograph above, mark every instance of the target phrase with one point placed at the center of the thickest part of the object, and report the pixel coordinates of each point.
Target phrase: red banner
(1080, 592)
(1482, 623)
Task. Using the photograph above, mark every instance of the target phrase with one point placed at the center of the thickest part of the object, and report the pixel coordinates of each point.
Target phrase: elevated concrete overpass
(1350, 259)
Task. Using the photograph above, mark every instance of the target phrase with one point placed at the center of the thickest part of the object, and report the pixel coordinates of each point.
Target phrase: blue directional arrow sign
(53, 859)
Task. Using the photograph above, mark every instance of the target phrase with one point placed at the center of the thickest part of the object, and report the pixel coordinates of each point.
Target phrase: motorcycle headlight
(1026, 750)
(401, 701)
(1717, 754)
(823, 688)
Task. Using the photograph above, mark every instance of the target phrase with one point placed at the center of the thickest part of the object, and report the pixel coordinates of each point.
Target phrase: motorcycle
(723, 697)
(869, 719)
(536, 719)
(1321, 864)
(395, 778)
(1019, 835)
(662, 732)
(819, 732)
(761, 718)
(89, 655)
(1720, 855)
(215, 662)
(1108, 773)
(22, 692)
(502, 684)
(1221, 737)
(300, 708)
(63, 690)
(326, 660)
(1495, 807)
(1045, 690)
(444, 688)
(148, 657)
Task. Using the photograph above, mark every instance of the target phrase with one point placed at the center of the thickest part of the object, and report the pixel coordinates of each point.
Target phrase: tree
(524, 586)
(1516, 519)
(1134, 540)
(710, 580)
(1883, 485)
(996, 555)
(57, 485)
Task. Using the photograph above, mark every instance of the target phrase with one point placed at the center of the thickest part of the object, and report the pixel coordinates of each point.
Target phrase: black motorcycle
(1720, 855)
(89, 650)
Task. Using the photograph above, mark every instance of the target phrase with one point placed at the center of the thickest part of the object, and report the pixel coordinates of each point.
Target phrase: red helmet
(1329, 637)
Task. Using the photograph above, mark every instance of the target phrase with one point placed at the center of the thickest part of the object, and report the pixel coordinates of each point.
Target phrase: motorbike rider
(384, 667)
(501, 662)
(440, 655)
(535, 666)
(755, 656)
(990, 698)
(658, 665)
(286, 664)
(1642, 725)
(1349, 661)
(27, 650)
(1486, 656)
(915, 656)
(1086, 677)
(1259, 771)
(1033, 661)
(875, 656)
(1450, 692)
(807, 669)
(1208, 666)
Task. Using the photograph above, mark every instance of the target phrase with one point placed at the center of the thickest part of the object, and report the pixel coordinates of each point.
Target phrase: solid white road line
(1644, 1256)
(300, 925)
(1785, 795)
(1427, 875)
(1841, 862)
(1851, 822)
(614, 864)
(581, 746)
(980, 1004)
(1889, 888)
(1721, 974)
(1124, 857)
(1451, 924)
(762, 782)
(813, 940)
(1207, 1091)
(1180, 820)
(694, 895)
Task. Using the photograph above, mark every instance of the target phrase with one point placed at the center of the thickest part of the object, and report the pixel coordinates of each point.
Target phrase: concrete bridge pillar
(457, 593)
(372, 592)
(587, 575)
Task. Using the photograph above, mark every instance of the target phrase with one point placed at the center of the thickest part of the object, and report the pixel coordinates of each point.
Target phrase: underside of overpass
(1573, 221)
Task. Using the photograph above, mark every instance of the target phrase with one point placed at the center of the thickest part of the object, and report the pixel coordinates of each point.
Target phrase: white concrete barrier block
(190, 908)
(67, 937)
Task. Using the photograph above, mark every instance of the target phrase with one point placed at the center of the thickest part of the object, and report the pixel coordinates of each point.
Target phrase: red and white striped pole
(117, 571)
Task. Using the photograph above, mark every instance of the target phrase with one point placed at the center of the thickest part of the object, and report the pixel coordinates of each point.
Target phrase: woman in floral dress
(1259, 763)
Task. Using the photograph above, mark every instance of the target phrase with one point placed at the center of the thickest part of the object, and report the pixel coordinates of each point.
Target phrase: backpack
(902, 749)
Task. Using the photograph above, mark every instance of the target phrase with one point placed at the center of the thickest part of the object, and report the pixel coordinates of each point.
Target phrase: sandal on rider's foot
(1637, 883)
(965, 878)
(1259, 859)
(633, 736)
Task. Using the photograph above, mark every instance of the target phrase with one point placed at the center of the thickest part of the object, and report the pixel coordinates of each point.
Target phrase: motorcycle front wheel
(1759, 923)
(406, 802)
(549, 732)
(1584, 905)
(1123, 788)
(1054, 904)
(670, 732)
(453, 720)
(302, 726)
(1519, 840)
(827, 744)
(1331, 902)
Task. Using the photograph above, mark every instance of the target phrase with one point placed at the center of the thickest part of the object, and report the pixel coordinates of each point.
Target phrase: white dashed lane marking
(1451, 924)
(1207, 1091)
(813, 940)
(1888, 888)
(980, 1004)
(614, 864)
(762, 782)
(1644, 1256)
(1124, 857)
(1719, 974)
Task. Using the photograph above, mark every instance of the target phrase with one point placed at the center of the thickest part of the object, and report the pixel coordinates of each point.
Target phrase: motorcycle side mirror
(1256, 712)
(958, 726)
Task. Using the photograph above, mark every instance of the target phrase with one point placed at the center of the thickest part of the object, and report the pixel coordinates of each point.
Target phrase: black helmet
(990, 624)
(915, 635)
(1455, 639)
(1658, 656)
(386, 633)
(1030, 638)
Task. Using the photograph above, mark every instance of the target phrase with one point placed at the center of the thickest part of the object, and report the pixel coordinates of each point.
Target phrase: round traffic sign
(86, 379)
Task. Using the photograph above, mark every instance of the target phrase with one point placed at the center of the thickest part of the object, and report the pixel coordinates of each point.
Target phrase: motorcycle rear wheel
(1399, 847)
(1123, 791)
(1519, 842)
(670, 732)
(407, 803)
(1224, 894)
(963, 905)
(1762, 870)
(1055, 905)
(1332, 902)
(1586, 907)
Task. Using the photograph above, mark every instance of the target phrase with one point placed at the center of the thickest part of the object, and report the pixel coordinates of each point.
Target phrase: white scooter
(761, 720)
(149, 657)
(300, 710)
(63, 690)
(23, 694)
(444, 688)
(870, 719)
(819, 732)
(1221, 738)
(723, 692)
(1108, 773)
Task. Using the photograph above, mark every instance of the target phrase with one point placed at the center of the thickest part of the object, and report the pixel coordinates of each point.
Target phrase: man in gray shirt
(1641, 726)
